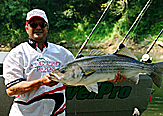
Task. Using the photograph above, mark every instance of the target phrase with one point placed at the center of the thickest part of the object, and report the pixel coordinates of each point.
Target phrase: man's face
(37, 33)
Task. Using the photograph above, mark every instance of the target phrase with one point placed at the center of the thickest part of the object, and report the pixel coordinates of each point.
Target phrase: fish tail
(157, 74)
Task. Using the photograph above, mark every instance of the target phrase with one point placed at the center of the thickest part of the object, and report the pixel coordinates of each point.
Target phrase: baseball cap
(36, 13)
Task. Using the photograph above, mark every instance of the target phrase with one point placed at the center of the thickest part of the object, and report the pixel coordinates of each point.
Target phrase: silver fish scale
(110, 64)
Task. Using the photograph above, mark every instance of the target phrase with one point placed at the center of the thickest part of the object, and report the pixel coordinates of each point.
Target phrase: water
(155, 107)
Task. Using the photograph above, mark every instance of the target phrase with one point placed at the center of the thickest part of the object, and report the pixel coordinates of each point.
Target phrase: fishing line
(141, 16)
(100, 26)
(145, 57)
(133, 24)
(140, 19)
(151, 46)
(84, 44)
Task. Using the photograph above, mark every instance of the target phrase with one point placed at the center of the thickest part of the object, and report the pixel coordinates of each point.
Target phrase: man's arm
(27, 86)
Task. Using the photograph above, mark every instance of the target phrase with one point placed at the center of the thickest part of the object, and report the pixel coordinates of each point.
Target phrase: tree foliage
(74, 19)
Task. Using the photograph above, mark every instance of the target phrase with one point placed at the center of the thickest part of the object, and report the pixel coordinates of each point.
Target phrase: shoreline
(109, 47)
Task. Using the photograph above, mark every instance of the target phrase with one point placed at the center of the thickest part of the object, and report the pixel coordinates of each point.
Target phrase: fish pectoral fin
(88, 73)
(92, 87)
(134, 78)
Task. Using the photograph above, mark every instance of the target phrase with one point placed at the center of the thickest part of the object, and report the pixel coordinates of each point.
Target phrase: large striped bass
(89, 70)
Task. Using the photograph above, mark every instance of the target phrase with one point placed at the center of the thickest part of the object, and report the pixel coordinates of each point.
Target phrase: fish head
(69, 74)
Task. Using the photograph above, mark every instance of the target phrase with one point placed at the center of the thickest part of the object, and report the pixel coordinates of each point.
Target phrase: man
(27, 68)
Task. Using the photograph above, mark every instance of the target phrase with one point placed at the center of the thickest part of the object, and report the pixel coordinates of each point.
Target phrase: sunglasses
(34, 25)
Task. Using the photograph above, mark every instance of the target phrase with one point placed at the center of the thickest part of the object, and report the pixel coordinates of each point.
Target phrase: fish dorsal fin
(125, 52)
(95, 53)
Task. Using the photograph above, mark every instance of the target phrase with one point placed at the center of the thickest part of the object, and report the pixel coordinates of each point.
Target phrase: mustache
(37, 31)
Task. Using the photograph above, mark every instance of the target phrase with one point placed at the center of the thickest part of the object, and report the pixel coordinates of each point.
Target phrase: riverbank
(109, 47)
(138, 50)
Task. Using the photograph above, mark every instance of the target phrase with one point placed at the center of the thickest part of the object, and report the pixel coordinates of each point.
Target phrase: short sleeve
(13, 68)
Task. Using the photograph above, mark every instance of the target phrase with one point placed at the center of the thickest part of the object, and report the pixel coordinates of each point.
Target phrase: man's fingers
(52, 83)
(123, 78)
(118, 77)
(56, 76)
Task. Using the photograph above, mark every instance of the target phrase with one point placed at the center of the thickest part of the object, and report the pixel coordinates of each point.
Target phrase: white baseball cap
(36, 13)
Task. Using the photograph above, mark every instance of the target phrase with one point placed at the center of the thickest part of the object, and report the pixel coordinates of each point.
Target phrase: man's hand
(46, 81)
(27, 86)
(118, 77)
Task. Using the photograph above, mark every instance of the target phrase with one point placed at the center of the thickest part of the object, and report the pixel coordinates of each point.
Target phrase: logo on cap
(36, 13)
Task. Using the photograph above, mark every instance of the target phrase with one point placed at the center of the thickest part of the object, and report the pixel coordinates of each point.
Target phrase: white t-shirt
(26, 63)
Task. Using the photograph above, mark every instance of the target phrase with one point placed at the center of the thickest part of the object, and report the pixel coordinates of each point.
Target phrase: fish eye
(63, 71)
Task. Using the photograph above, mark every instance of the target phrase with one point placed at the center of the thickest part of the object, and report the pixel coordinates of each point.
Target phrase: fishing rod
(140, 15)
(84, 44)
(153, 43)
(146, 58)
